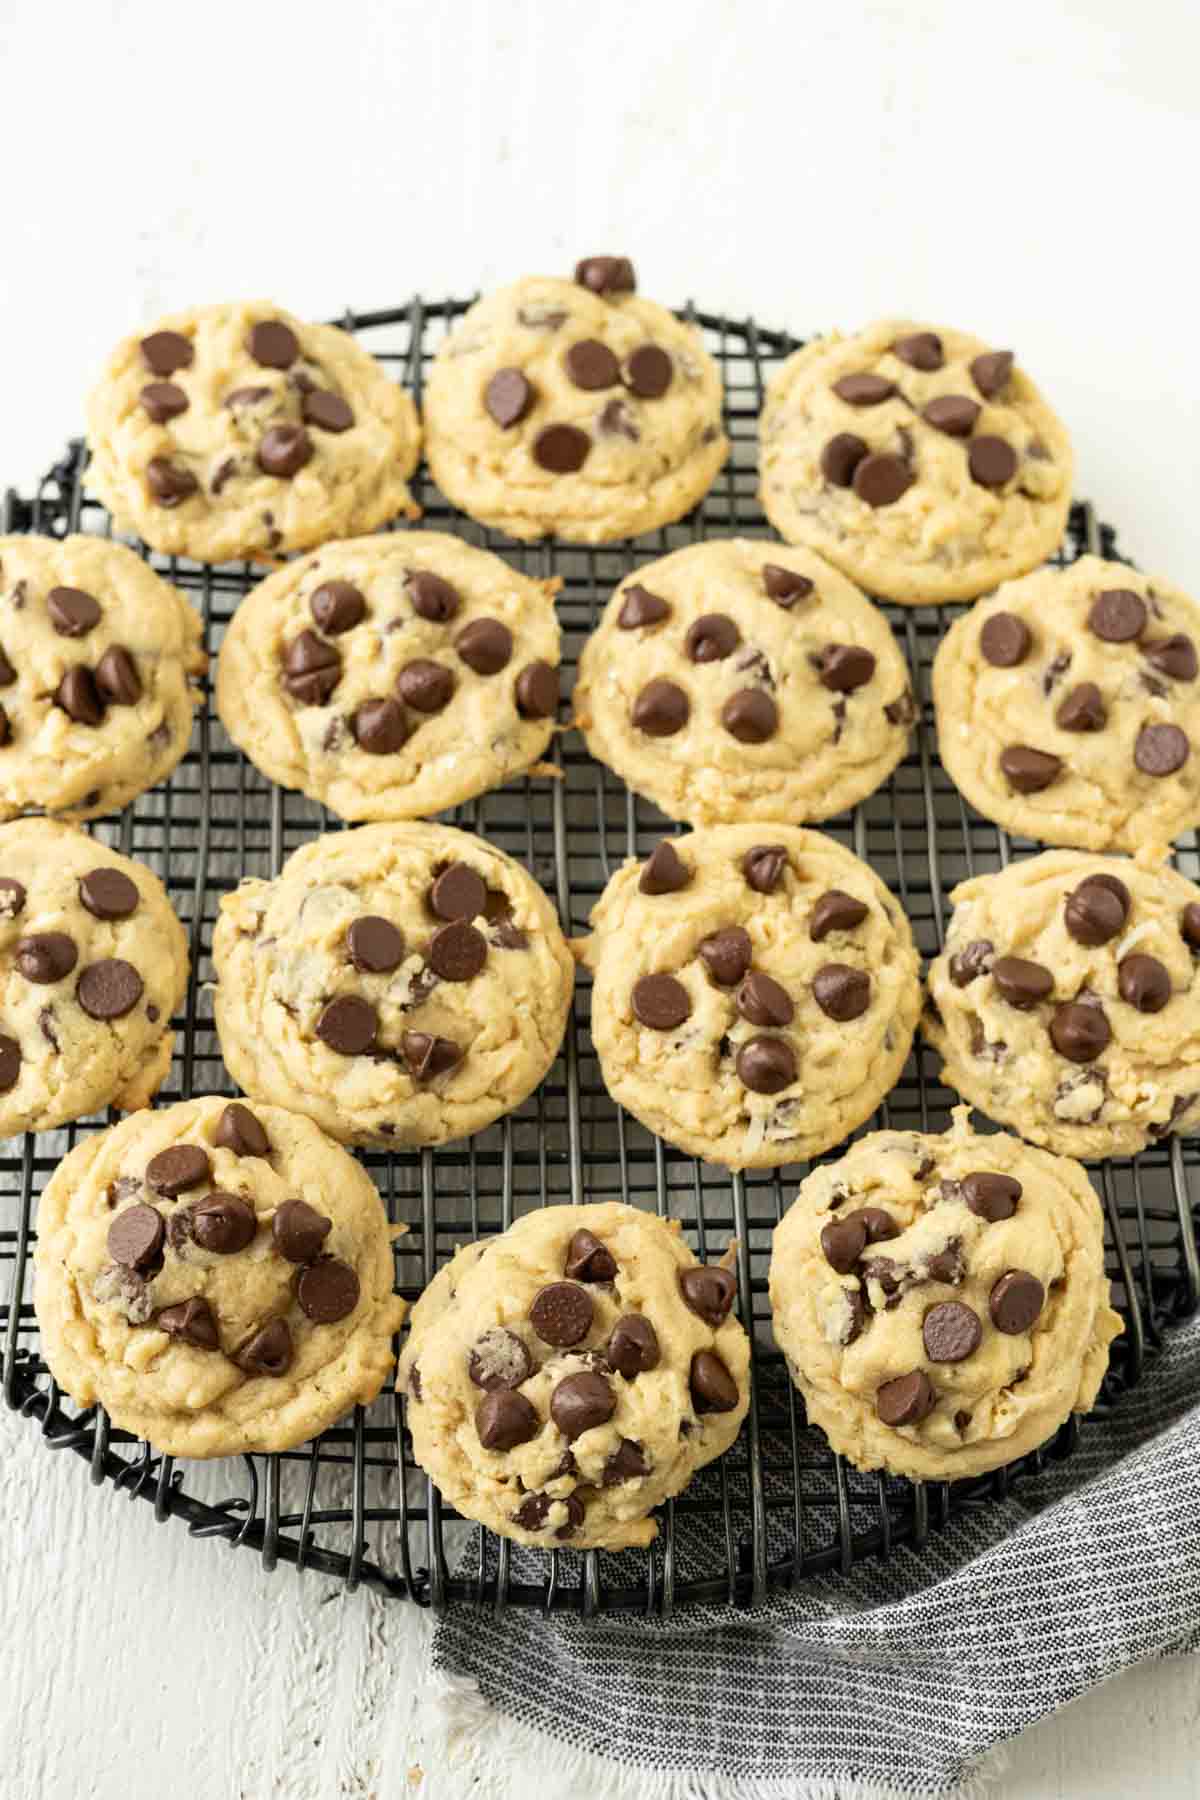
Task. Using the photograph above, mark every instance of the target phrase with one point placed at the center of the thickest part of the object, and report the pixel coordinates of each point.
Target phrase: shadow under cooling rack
(352, 1505)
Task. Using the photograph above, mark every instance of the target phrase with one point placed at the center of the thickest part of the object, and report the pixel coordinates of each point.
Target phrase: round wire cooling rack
(780, 1506)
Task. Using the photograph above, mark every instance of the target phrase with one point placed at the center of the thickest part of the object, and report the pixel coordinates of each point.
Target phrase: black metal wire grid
(780, 1506)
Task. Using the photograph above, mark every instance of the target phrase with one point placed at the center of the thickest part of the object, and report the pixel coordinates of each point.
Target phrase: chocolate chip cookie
(756, 992)
(238, 430)
(942, 1301)
(742, 680)
(574, 409)
(401, 984)
(1068, 707)
(217, 1276)
(921, 462)
(1066, 1002)
(98, 661)
(393, 675)
(93, 963)
(568, 1377)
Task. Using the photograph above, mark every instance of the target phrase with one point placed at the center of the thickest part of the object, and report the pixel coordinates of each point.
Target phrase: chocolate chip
(135, 1237)
(842, 992)
(246, 396)
(457, 952)
(348, 1025)
(1015, 1301)
(272, 344)
(284, 450)
(299, 1231)
(954, 414)
(328, 412)
(459, 892)
(951, 1332)
(606, 274)
(975, 959)
(46, 957)
(1005, 640)
(1080, 1032)
(906, 1400)
(170, 484)
(660, 1002)
(327, 1291)
(766, 1065)
(117, 679)
(1174, 656)
(427, 1056)
(172, 1172)
(109, 989)
(841, 457)
(499, 1360)
(192, 1322)
(880, 479)
(238, 1130)
(991, 461)
(588, 1259)
(878, 1223)
(337, 606)
(163, 401)
(426, 686)
(77, 695)
(591, 365)
(561, 449)
(582, 1402)
(313, 669)
(990, 372)
(726, 955)
(864, 390)
(844, 667)
(1160, 749)
(1022, 983)
(713, 1388)
(843, 1242)
(7, 673)
(711, 638)
(1189, 925)
(763, 1001)
(922, 350)
(661, 709)
(627, 1463)
(1028, 771)
(1144, 982)
(615, 420)
(12, 897)
(537, 691)
(379, 726)
(1117, 615)
(785, 586)
(375, 945)
(835, 911)
(664, 871)
(709, 1289)
(223, 1223)
(485, 645)
(633, 1347)
(10, 1063)
(750, 716)
(508, 396)
(641, 607)
(1083, 709)
(990, 1196)
(763, 867)
(165, 351)
(648, 372)
(268, 1352)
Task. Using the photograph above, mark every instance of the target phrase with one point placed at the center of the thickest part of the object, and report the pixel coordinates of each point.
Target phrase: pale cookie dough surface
(320, 669)
(213, 439)
(112, 1288)
(93, 963)
(721, 1021)
(788, 696)
(1068, 707)
(391, 1013)
(577, 1435)
(1073, 1014)
(909, 510)
(1004, 1276)
(98, 660)
(617, 462)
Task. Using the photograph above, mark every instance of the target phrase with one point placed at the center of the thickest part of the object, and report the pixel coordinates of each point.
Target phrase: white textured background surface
(1025, 171)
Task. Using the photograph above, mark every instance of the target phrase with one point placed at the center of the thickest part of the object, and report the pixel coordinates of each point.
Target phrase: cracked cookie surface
(392, 676)
(218, 1276)
(402, 984)
(941, 1300)
(919, 461)
(569, 1376)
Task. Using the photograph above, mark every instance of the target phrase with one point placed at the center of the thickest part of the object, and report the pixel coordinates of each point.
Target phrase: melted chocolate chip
(268, 1352)
(327, 1291)
(582, 1402)
(135, 1238)
(10, 1063)
(284, 450)
(906, 1400)
(1015, 1301)
(606, 274)
(843, 1242)
(1161, 749)
(78, 696)
(272, 344)
(951, 1332)
(192, 1322)
(1082, 709)
(428, 1057)
(348, 1025)
(499, 1360)
(615, 420)
(648, 372)
(627, 1463)
(864, 390)
(922, 350)
(1080, 1032)
(109, 989)
(991, 461)
(1117, 615)
(459, 892)
(72, 612)
(165, 351)
(1173, 656)
(168, 482)
(46, 957)
(375, 945)
(12, 897)
(457, 952)
(172, 1172)
(561, 449)
(1005, 640)
(328, 412)
(881, 479)
(508, 397)
(990, 1196)
(591, 365)
(163, 401)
